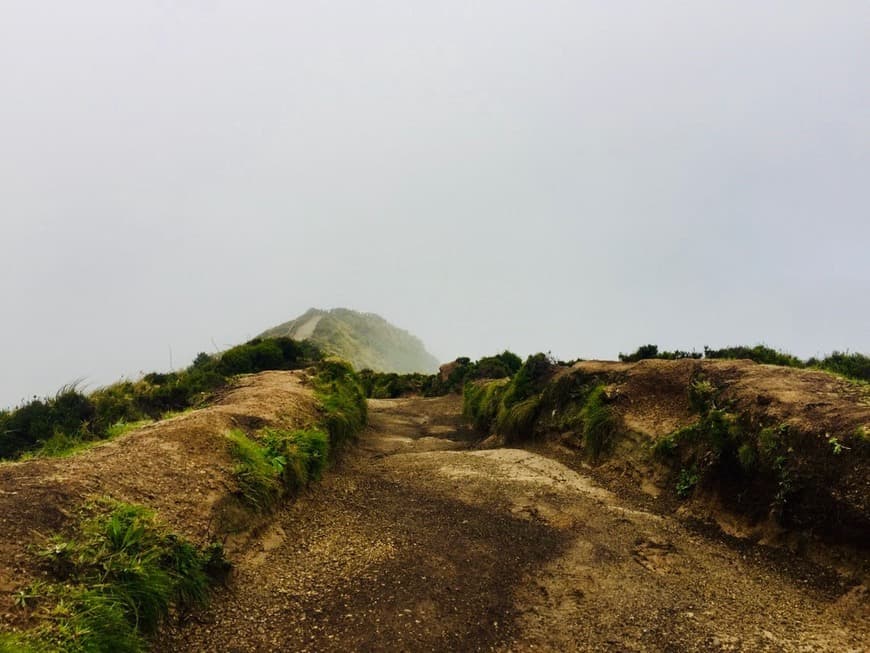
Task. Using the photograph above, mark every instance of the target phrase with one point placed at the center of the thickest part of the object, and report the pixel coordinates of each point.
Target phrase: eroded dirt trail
(415, 542)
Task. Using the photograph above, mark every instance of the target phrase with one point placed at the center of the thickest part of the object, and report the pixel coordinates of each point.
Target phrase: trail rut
(417, 542)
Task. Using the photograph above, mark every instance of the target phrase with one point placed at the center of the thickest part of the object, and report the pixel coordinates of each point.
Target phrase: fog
(578, 177)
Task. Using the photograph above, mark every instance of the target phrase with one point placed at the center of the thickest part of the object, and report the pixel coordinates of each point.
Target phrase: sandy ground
(417, 542)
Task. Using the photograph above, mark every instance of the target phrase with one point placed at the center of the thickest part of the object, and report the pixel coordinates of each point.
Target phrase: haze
(580, 177)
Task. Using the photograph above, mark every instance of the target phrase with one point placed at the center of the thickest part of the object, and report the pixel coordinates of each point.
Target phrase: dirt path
(418, 543)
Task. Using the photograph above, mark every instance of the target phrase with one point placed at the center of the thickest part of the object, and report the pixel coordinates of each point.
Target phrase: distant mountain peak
(367, 340)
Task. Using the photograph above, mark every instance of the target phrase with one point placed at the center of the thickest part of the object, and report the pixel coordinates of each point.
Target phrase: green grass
(518, 421)
(277, 463)
(303, 454)
(599, 423)
(482, 401)
(344, 410)
(20, 643)
(121, 427)
(113, 579)
(256, 470)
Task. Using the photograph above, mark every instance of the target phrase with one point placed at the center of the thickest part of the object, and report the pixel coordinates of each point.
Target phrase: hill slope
(365, 339)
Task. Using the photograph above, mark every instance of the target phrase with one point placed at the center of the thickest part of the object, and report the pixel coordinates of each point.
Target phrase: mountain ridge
(367, 340)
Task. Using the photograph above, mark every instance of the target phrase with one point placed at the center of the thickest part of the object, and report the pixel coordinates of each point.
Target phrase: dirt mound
(179, 467)
(781, 447)
(653, 394)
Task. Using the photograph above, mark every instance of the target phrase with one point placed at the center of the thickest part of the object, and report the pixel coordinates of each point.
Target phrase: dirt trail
(416, 542)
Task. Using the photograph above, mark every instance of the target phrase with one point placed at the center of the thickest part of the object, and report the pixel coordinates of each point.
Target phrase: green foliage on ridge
(276, 462)
(366, 340)
(63, 423)
(852, 365)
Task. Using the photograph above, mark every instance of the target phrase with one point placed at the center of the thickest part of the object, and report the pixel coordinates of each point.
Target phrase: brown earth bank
(820, 425)
(179, 467)
(417, 541)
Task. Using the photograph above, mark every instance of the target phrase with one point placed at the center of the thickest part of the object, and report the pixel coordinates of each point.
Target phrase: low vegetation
(452, 378)
(852, 365)
(756, 463)
(366, 340)
(71, 419)
(274, 463)
(111, 580)
(116, 573)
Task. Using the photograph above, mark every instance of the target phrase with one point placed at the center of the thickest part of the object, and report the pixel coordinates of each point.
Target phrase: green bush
(652, 351)
(702, 395)
(303, 453)
(758, 353)
(687, 481)
(529, 380)
(854, 365)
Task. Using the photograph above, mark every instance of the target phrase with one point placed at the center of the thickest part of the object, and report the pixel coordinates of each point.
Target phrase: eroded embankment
(180, 468)
(760, 448)
(419, 542)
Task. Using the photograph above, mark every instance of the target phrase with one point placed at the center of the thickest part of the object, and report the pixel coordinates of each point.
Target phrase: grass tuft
(257, 471)
(115, 578)
(599, 423)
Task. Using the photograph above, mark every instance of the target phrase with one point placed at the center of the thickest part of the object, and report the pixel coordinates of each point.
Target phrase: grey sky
(581, 177)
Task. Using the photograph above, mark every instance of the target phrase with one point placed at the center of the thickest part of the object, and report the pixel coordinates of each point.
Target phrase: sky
(576, 177)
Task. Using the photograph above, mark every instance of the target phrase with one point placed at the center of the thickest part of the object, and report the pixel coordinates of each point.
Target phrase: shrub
(747, 456)
(758, 353)
(702, 395)
(57, 425)
(529, 380)
(855, 365)
(687, 481)
(641, 353)
(652, 351)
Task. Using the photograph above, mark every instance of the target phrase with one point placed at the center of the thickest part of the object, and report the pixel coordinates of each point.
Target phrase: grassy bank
(271, 464)
(71, 419)
(110, 580)
(851, 365)
(111, 577)
(758, 462)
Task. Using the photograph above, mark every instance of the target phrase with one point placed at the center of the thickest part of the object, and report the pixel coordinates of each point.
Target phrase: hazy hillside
(365, 339)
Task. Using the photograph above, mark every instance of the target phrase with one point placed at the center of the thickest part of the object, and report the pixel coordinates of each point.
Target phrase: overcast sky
(581, 177)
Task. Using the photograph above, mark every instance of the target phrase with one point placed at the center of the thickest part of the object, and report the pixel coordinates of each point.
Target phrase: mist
(573, 177)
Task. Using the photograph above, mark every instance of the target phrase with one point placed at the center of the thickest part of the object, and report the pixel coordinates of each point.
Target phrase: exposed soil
(416, 541)
(180, 467)
(652, 396)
